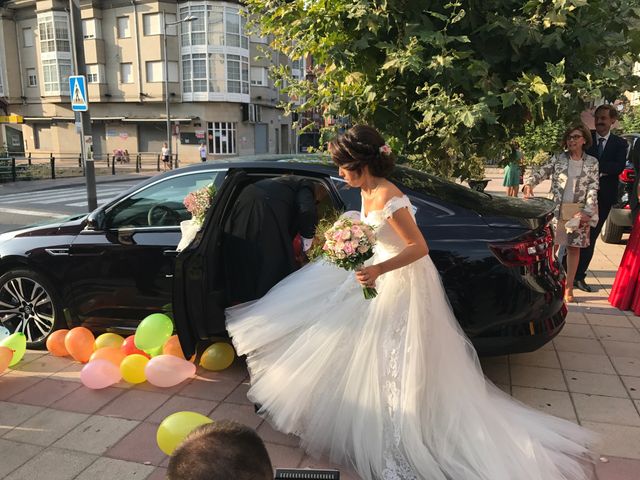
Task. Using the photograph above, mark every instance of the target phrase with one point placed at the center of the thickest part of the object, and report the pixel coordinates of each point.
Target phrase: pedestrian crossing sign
(78, 93)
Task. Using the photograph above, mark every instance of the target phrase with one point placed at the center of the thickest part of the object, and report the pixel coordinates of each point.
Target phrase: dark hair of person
(360, 146)
(613, 111)
(221, 451)
(588, 141)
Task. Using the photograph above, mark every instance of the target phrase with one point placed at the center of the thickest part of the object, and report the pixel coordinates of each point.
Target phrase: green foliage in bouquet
(324, 224)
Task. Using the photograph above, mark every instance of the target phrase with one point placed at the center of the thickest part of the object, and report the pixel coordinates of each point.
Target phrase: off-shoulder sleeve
(395, 203)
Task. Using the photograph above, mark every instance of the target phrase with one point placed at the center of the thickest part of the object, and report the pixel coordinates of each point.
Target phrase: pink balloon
(100, 373)
(168, 370)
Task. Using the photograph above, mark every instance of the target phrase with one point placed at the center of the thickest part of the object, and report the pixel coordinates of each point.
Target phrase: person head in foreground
(221, 451)
(359, 152)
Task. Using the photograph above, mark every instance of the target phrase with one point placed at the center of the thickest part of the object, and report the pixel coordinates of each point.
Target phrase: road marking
(33, 213)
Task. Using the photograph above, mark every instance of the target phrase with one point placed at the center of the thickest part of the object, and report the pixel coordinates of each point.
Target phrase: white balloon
(4, 333)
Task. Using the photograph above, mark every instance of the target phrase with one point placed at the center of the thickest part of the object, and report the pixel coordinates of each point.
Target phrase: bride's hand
(367, 275)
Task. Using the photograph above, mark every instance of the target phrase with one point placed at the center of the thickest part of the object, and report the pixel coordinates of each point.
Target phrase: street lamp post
(190, 18)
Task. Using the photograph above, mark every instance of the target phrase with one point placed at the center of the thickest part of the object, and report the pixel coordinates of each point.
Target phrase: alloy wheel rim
(26, 306)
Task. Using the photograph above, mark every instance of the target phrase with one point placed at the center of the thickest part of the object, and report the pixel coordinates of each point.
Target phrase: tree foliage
(630, 121)
(449, 80)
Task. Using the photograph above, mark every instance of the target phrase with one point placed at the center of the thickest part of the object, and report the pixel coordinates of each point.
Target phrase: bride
(391, 385)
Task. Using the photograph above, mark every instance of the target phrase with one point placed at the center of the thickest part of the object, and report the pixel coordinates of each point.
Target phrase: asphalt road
(31, 203)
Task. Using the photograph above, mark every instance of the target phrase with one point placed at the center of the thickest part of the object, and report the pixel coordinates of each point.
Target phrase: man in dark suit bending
(611, 152)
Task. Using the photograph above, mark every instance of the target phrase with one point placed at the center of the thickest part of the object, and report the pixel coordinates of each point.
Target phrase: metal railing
(50, 165)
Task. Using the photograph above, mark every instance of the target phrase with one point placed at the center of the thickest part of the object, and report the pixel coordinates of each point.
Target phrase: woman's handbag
(568, 210)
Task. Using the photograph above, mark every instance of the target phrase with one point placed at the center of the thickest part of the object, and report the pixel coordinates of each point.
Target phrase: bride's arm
(403, 223)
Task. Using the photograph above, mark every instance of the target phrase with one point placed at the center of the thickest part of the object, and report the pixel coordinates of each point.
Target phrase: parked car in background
(620, 220)
(111, 268)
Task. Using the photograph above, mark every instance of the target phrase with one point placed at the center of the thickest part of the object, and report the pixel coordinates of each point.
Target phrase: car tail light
(526, 250)
(628, 175)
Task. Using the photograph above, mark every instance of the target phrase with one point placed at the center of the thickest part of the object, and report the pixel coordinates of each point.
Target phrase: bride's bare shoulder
(387, 191)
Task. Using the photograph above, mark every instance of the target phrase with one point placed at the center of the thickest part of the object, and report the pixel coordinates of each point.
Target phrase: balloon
(4, 333)
(167, 370)
(218, 356)
(17, 342)
(153, 331)
(172, 347)
(132, 368)
(108, 340)
(55, 343)
(6, 354)
(128, 347)
(173, 429)
(111, 354)
(99, 374)
(79, 343)
(154, 352)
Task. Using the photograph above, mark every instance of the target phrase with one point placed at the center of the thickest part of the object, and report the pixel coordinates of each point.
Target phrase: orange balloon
(55, 343)
(6, 354)
(79, 343)
(172, 347)
(111, 354)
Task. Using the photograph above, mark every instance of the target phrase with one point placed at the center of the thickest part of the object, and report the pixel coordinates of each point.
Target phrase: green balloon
(153, 331)
(154, 352)
(18, 343)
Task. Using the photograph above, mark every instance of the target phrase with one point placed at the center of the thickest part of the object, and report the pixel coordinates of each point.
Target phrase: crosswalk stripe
(84, 204)
(58, 196)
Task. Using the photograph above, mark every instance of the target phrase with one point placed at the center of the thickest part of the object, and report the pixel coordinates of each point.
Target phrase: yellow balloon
(108, 340)
(18, 343)
(173, 429)
(218, 356)
(132, 368)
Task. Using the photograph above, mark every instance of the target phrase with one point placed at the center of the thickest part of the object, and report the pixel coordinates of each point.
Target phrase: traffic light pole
(83, 117)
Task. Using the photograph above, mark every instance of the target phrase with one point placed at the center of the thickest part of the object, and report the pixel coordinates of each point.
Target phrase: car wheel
(29, 304)
(611, 232)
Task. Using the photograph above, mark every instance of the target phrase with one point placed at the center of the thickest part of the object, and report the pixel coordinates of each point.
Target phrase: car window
(161, 203)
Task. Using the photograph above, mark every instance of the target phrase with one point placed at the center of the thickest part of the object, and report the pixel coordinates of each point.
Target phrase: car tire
(29, 303)
(611, 233)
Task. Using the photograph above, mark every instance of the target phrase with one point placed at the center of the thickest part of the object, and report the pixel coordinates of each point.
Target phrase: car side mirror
(95, 220)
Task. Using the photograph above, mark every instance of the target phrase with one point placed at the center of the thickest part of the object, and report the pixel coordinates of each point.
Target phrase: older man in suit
(611, 152)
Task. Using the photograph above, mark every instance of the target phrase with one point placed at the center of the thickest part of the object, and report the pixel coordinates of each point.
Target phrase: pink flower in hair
(385, 149)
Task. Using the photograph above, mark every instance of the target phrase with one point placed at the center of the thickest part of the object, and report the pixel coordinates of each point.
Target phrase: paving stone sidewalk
(53, 428)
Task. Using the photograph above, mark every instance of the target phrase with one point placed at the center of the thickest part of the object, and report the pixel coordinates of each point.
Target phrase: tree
(449, 81)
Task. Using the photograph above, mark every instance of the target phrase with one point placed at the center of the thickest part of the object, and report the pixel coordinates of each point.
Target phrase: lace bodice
(388, 242)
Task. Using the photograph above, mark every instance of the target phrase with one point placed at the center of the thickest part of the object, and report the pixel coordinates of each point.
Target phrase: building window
(95, 73)
(259, 76)
(53, 28)
(155, 72)
(215, 50)
(237, 74)
(91, 28)
(258, 39)
(56, 76)
(32, 79)
(27, 37)
(151, 23)
(222, 138)
(123, 27)
(126, 73)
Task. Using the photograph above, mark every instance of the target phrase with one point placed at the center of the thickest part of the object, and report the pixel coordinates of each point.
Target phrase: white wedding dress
(391, 385)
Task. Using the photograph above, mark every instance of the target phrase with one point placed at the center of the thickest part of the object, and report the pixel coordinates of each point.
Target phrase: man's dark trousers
(611, 163)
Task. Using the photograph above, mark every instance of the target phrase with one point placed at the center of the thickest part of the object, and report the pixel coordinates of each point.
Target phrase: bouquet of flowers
(197, 203)
(348, 244)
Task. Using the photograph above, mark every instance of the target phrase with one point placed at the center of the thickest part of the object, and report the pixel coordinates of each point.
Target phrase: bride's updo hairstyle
(359, 146)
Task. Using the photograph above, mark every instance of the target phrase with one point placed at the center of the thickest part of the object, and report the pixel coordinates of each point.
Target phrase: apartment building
(218, 87)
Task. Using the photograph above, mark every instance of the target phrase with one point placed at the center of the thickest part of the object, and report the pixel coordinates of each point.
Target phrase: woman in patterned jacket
(574, 185)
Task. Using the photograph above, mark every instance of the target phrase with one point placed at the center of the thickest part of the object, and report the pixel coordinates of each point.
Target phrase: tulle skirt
(391, 386)
(625, 292)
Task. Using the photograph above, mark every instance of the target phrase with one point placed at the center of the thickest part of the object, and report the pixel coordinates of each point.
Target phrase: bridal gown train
(391, 385)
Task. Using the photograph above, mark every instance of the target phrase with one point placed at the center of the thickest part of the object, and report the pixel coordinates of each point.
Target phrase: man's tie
(600, 146)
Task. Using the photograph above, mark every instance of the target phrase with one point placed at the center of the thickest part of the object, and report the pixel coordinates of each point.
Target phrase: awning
(159, 120)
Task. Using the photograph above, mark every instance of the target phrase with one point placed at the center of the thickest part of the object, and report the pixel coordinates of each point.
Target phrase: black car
(620, 219)
(111, 268)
